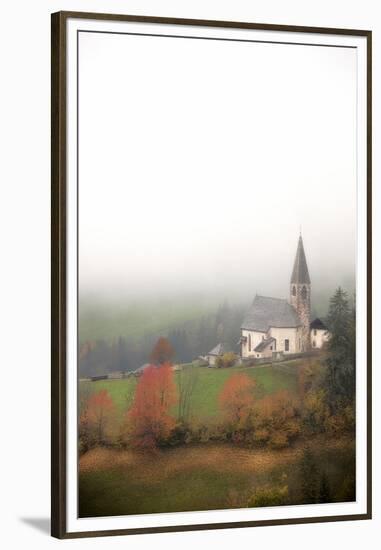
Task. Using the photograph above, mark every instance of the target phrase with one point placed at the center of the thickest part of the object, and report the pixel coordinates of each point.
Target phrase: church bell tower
(300, 295)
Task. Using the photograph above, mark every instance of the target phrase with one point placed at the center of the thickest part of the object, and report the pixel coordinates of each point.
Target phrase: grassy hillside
(203, 473)
(209, 383)
(203, 477)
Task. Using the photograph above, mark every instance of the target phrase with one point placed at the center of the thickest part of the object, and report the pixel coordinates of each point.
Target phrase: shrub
(261, 435)
(268, 496)
(277, 420)
(342, 422)
(293, 429)
(315, 411)
(226, 360)
(278, 440)
(180, 435)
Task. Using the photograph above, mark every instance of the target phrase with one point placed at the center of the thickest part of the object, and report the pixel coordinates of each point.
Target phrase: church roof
(263, 345)
(300, 273)
(219, 349)
(318, 324)
(270, 312)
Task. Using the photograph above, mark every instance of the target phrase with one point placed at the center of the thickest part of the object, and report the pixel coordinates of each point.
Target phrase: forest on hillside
(120, 338)
(189, 338)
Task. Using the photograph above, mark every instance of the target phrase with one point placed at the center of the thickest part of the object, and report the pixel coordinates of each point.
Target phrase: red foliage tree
(99, 412)
(162, 352)
(236, 399)
(149, 420)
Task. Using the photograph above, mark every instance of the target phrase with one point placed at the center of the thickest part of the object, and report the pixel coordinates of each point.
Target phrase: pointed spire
(300, 273)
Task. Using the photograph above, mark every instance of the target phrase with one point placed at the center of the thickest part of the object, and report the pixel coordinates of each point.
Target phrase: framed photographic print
(211, 274)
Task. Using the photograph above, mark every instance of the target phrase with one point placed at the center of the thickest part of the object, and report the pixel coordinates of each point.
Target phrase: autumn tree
(236, 400)
(315, 411)
(149, 422)
(98, 415)
(276, 419)
(162, 352)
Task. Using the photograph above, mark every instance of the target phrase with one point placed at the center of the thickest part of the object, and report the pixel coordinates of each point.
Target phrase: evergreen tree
(340, 377)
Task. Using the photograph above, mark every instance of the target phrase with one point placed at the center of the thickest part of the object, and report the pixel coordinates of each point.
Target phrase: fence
(278, 357)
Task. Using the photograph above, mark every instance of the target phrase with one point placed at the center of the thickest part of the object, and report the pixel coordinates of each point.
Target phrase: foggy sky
(199, 166)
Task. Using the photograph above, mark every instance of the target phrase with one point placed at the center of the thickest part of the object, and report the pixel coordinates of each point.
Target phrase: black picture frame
(59, 264)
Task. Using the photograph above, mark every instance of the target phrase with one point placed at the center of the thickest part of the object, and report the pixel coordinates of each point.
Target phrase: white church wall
(255, 338)
(283, 334)
(318, 338)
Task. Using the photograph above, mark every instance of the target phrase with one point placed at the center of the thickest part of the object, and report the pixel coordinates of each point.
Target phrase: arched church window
(294, 290)
(304, 292)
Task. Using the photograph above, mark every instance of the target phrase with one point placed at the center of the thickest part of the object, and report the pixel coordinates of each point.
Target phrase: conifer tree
(340, 377)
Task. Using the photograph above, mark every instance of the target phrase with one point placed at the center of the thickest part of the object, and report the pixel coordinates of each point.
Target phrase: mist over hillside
(117, 333)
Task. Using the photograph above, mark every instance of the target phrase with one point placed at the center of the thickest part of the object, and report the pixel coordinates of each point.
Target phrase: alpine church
(274, 325)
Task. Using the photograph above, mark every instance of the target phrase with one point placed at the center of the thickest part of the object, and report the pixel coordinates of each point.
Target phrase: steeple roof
(300, 273)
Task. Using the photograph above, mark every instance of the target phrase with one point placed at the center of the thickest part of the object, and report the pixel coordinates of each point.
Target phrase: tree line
(192, 339)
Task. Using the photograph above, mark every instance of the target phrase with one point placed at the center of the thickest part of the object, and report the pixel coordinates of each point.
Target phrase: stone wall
(302, 304)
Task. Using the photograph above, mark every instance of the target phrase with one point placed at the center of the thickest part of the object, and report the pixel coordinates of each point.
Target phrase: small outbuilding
(319, 334)
(218, 351)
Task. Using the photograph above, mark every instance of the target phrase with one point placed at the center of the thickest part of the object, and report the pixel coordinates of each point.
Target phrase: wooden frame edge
(209, 22)
(58, 276)
(213, 526)
(58, 272)
(369, 272)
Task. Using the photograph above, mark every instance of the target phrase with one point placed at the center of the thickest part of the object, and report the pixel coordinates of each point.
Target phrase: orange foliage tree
(98, 414)
(149, 422)
(162, 352)
(237, 399)
(277, 420)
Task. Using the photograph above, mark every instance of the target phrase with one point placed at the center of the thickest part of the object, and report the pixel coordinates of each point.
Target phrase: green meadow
(208, 385)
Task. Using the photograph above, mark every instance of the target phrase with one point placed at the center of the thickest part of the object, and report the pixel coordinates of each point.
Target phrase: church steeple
(300, 273)
(300, 295)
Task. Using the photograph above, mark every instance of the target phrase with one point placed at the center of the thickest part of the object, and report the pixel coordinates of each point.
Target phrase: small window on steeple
(294, 290)
(304, 293)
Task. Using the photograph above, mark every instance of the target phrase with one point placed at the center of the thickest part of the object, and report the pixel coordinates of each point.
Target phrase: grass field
(203, 477)
(210, 475)
(209, 383)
